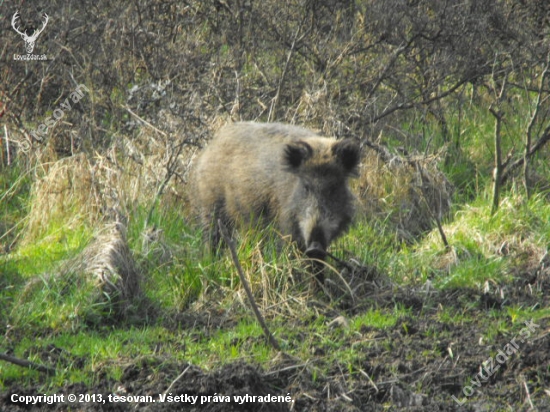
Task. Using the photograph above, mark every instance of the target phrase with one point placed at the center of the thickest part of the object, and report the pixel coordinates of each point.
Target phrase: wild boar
(254, 173)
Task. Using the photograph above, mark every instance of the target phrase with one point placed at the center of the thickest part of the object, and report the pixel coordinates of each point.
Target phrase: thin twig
(499, 166)
(530, 126)
(346, 284)
(370, 380)
(498, 159)
(145, 121)
(528, 395)
(288, 368)
(235, 258)
(275, 101)
(177, 379)
(7, 144)
(27, 364)
(340, 261)
(434, 216)
(171, 167)
(545, 138)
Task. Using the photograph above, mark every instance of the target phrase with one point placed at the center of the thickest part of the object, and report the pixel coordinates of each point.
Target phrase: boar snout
(316, 251)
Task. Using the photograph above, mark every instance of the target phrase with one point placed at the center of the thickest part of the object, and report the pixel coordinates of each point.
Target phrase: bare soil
(417, 365)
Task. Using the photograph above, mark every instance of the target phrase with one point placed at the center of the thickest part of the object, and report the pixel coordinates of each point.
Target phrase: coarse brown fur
(255, 172)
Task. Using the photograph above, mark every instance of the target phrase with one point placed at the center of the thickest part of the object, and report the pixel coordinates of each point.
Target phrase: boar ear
(348, 152)
(296, 153)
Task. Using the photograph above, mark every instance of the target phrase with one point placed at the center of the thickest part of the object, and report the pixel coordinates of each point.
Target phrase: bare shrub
(345, 68)
(411, 190)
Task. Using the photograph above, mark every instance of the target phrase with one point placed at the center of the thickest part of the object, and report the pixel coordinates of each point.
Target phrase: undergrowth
(191, 305)
(64, 312)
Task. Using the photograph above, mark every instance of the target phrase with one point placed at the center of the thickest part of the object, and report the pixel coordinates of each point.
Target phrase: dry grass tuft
(142, 170)
(86, 189)
(410, 190)
(286, 287)
(67, 194)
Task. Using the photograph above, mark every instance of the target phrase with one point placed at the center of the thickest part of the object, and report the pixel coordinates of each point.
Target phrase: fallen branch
(235, 258)
(27, 364)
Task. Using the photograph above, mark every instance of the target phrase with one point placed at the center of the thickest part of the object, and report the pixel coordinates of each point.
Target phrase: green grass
(483, 247)
(15, 186)
(377, 319)
(59, 242)
(45, 311)
(68, 317)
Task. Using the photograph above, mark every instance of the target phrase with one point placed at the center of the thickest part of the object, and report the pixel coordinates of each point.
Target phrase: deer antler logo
(29, 40)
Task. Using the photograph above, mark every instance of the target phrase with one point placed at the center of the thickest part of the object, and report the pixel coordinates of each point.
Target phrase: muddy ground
(417, 365)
